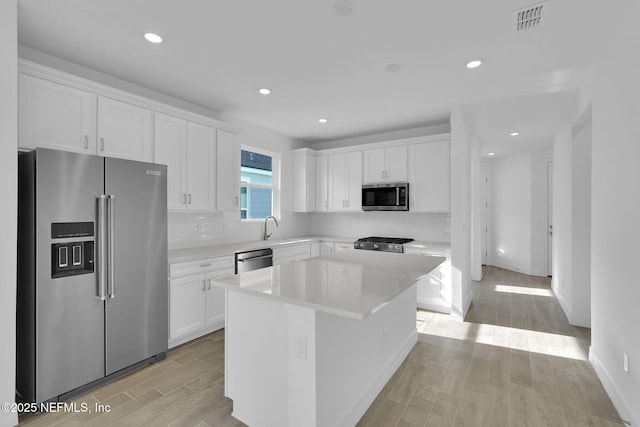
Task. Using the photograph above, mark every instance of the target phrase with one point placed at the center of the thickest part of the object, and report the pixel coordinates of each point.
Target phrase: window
(259, 184)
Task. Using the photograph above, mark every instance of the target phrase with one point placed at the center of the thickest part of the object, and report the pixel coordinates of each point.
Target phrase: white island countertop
(353, 284)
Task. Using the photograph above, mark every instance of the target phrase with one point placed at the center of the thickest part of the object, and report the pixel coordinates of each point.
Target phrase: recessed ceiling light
(264, 91)
(514, 133)
(491, 154)
(343, 7)
(323, 120)
(392, 68)
(153, 38)
(474, 64)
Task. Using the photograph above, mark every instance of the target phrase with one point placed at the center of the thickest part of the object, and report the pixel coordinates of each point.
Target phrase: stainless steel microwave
(385, 197)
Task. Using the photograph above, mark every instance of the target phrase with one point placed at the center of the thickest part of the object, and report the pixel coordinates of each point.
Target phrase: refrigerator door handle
(102, 247)
(111, 282)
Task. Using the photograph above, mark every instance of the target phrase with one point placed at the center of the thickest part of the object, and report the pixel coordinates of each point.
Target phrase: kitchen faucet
(265, 236)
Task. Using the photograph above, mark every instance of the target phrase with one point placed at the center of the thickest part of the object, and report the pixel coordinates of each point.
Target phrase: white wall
(478, 199)
(615, 216)
(562, 230)
(518, 212)
(8, 215)
(572, 221)
(581, 226)
(461, 143)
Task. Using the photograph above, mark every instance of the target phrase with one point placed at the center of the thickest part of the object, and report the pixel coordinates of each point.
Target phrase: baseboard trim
(519, 269)
(357, 409)
(197, 334)
(622, 406)
(434, 305)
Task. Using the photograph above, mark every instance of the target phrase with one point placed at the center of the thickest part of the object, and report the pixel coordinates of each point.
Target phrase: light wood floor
(515, 361)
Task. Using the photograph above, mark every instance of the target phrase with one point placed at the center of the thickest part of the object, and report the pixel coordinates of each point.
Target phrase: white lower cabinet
(327, 248)
(196, 306)
(434, 289)
(291, 253)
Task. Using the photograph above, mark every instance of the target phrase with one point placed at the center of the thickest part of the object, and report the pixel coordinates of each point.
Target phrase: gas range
(385, 244)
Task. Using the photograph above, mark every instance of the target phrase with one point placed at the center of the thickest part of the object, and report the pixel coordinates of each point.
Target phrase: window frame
(275, 186)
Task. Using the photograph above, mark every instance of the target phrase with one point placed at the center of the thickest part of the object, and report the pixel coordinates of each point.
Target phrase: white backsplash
(418, 226)
(191, 229)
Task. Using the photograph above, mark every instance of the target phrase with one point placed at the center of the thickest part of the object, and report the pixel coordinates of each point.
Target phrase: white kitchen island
(312, 343)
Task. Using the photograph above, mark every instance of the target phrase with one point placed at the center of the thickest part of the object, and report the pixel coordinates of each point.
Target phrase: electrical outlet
(625, 363)
(300, 344)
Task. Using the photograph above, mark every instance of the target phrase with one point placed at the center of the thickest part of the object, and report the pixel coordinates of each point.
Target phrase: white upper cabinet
(201, 167)
(385, 164)
(429, 177)
(171, 150)
(228, 172)
(322, 184)
(124, 130)
(55, 116)
(61, 117)
(345, 181)
(304, 180)
(189, 150)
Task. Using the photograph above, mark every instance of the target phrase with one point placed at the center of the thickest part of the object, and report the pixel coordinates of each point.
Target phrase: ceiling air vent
(530, 17)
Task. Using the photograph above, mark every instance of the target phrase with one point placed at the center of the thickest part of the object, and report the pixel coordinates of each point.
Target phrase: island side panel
(356, 358)
(256, 359)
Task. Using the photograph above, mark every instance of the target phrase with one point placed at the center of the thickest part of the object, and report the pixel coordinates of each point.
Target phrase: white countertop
(352, 284)
(203, 252)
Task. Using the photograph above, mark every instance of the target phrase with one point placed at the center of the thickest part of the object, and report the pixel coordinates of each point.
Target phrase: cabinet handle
(86, 142)
(101, 144)
(205, 265)
(189, 198)
(236, 202)
(209, 284)
(204, 285)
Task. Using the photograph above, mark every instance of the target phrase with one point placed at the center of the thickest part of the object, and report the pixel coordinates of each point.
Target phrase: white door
(322, 201)
(337, 182)
(171, 150)
(227, 172)
(354, 181)
(215, 297)
(201, 167)
(55, 116)
(396, 161)
(374, 165)
(186, 305)
(124, 130)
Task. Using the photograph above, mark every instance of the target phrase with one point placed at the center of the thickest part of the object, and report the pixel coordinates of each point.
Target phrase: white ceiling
(318, 64)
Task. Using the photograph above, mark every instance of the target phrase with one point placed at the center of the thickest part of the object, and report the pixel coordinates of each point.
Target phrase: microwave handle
(397, 196)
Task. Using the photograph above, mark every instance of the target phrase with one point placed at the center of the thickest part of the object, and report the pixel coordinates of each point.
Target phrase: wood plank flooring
(515, 361)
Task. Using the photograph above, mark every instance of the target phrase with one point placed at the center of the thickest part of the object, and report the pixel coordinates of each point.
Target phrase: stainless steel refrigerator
(92, 271)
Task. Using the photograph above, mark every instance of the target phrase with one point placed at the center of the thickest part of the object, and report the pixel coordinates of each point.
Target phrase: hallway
(515, 361)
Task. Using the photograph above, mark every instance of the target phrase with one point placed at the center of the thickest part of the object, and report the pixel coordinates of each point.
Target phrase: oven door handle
(254, 258)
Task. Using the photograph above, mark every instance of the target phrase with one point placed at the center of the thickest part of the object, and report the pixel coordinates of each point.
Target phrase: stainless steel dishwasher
(253, 260)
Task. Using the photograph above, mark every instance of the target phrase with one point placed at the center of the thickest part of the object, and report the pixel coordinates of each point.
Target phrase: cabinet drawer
(200, 266)
(426, 252)
(296, 252)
